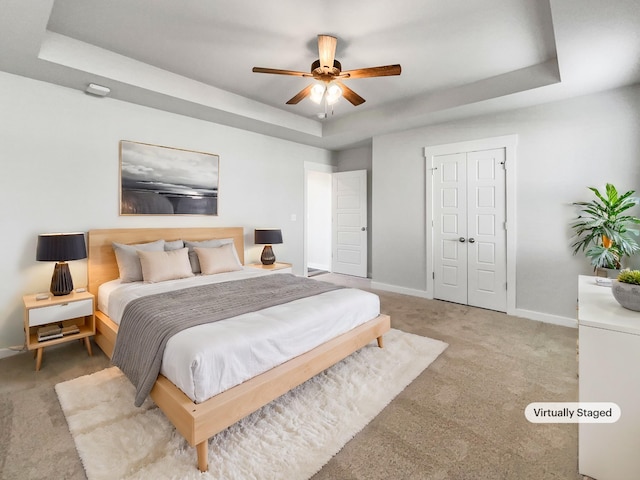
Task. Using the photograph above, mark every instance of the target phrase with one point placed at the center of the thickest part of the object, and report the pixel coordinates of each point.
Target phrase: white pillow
(165, 265)
(173, 245)
(193, 257)
(128, 261)
(218, 259)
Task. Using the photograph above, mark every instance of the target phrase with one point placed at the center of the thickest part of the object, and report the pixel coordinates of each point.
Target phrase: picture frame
(159, 180)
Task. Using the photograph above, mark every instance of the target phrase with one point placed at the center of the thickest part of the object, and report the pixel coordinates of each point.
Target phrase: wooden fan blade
(280, 72)
(327, 51)
(304, 93)
(384, 71)
(350, 95)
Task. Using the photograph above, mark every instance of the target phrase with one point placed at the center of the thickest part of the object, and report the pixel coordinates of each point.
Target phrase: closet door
(450, 227)
(469, 228)
(486, 245)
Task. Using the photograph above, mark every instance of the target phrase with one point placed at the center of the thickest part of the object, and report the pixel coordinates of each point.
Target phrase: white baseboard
(319, 266)
(519, 312)
(404, 290)
(8, 352)
(546, 318)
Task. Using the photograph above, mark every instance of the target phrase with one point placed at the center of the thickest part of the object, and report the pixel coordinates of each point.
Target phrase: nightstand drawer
(57, 313)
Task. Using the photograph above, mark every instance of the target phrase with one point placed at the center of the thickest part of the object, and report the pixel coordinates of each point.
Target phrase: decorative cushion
(165, 265)
(193, 257)
(218, 259)
(173, 245)
(128, 261)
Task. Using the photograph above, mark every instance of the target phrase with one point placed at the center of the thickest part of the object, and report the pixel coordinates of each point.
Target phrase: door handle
(461, 240)
(364, 229)
(472, 240)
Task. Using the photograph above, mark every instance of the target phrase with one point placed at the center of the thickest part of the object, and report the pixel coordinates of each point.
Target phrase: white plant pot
(626, 294)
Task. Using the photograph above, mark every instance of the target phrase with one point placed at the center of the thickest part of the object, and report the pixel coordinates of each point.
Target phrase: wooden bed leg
(380, 342)
(203, 462)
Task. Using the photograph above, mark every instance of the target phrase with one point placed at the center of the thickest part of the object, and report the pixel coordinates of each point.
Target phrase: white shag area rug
(290, 438)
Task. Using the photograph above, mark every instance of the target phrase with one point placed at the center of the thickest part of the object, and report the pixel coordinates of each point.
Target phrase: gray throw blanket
(148, 322)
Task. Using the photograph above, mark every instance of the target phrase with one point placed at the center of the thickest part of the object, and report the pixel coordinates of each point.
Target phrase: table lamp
(267, 237)
(61, 247)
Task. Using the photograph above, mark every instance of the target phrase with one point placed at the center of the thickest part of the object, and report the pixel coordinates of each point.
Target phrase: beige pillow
(161, 266)
(193, 257)
(218, 259)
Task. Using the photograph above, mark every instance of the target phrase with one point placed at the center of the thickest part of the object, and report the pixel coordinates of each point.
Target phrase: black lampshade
(61, 247)
(267, 237)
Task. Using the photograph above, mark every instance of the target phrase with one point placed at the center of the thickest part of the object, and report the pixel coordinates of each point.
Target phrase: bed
(197, 421)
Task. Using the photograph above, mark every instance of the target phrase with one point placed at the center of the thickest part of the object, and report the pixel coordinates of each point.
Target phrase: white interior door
(350, 223)
(487, 253)
(469, 228)
(450, 227)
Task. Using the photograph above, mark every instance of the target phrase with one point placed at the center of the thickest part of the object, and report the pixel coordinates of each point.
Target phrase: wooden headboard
(102, 266)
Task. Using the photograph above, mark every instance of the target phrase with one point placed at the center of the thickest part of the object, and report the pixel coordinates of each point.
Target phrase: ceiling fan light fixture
(328, 73)
(334, 92)
(317, 93)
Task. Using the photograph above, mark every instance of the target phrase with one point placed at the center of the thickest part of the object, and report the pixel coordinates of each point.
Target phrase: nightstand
(278, 267)
(74, 313)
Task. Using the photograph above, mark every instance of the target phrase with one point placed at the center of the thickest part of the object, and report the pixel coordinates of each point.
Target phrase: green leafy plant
(629, 276)
(602, 231)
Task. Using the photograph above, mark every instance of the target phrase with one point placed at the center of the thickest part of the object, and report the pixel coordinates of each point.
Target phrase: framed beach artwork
(157, 180)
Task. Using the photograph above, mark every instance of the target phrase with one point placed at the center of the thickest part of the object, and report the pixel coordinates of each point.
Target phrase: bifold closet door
(469, 233)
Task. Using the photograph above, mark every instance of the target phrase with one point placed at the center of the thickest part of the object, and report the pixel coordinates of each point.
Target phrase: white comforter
(208, 359)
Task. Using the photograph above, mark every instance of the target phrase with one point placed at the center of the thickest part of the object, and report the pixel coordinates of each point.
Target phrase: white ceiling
(194, 57)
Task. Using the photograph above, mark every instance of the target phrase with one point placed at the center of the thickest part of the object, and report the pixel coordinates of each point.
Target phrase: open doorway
(318, 182)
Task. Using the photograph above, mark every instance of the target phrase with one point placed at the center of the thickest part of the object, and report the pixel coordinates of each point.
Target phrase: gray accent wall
(59, 150)
(563, 147)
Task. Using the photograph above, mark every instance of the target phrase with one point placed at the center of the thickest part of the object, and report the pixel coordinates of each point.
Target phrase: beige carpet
(291, 438)
(462, 418)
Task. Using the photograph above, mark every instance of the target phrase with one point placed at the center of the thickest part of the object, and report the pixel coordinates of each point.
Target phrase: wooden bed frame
(198, 422)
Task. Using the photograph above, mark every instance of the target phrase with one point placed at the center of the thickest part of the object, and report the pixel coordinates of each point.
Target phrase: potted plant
(626, 289)
(604, 231)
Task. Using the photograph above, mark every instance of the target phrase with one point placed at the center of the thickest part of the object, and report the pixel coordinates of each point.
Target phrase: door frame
(509, 143)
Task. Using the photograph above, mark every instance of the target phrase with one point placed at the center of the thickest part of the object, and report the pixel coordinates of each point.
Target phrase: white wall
(563, 148)
(59, 152)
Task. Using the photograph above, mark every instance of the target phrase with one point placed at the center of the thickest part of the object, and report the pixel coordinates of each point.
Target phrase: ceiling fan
(328, 71)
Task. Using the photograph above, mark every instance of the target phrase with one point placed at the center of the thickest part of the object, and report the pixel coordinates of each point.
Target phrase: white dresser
(609, 369)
